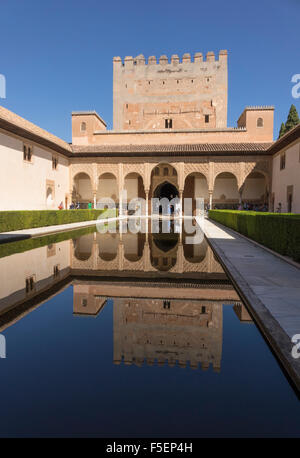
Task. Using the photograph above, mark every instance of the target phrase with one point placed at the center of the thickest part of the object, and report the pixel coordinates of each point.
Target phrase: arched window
(83, 127)
(260, 122)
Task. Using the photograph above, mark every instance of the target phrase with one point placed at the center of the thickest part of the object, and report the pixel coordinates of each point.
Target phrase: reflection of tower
(85, 303)
(242, 313)
(184, 331)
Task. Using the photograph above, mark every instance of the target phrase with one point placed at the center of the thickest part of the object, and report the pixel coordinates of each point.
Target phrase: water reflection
(168, 297)
(143, 252)
(168, 332)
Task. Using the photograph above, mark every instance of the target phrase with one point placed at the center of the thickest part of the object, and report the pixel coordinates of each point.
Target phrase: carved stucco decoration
(196, 167)
(85, 168)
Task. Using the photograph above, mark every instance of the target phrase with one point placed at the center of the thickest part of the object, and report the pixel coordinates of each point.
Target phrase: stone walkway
(269, 286)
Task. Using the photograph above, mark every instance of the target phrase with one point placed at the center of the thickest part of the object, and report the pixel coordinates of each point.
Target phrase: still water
(132, 335)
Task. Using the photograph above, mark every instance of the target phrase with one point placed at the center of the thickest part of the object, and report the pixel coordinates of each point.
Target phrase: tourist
(61, 206)
(90, 206)
(278, 210)
(177, 206)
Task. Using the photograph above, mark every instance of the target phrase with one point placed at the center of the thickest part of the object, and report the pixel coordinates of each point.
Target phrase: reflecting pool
(132, 335)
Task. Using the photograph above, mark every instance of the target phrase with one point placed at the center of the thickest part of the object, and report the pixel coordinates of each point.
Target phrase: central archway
(163, 182)
(165, 189)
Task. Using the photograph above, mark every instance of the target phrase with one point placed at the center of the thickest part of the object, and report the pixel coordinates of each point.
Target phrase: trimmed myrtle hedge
(7, 249)
(27, 219)
(278, 231)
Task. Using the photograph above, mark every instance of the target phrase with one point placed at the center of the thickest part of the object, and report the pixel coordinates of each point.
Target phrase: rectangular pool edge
(271, 330)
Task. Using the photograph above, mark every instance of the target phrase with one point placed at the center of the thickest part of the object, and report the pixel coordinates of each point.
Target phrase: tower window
(260, 122)
(206, 119)
(168, 123)
(166, 171)
(156, 171)
(83, 127)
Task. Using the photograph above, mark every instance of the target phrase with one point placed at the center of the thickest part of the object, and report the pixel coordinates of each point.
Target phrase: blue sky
(57, 55)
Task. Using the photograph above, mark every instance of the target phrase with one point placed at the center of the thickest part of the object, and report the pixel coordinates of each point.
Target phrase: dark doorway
(290, 203)
(167, 190)
(289, 199)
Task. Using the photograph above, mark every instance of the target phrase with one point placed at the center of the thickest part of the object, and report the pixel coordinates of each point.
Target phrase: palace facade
(170, 137)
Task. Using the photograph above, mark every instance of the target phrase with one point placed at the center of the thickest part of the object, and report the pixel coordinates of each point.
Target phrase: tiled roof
(176, 149)
(285, 140)
(20, 126)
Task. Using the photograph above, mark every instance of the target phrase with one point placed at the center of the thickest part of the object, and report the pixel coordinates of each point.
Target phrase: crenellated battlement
(130, 61)
(259, 107)
(187, 91)
(192, 364)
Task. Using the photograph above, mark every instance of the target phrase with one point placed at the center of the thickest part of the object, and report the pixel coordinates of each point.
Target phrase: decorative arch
(167, 172)
(86, 168)
(108, 247)
(255, 189)
(82, 188)
(257, 169)
(196, 186)
(83, 247)
(175, 166)
(163, 258)
(202, 168)
(230, 170)
(133, 246)
(135, 167)
(134, 185)
(107, 186)
(226, 190)
(195, 253)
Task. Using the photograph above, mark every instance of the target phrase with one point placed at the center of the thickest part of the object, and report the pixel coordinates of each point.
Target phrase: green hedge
(27, 219)
(7, 249)
(278, 231)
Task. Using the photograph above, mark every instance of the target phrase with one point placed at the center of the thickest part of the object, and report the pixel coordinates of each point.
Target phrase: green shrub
(277, 231)
(7, 249)
(28, 219)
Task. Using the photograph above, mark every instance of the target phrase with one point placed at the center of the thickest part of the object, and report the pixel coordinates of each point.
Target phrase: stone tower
(177, 95)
